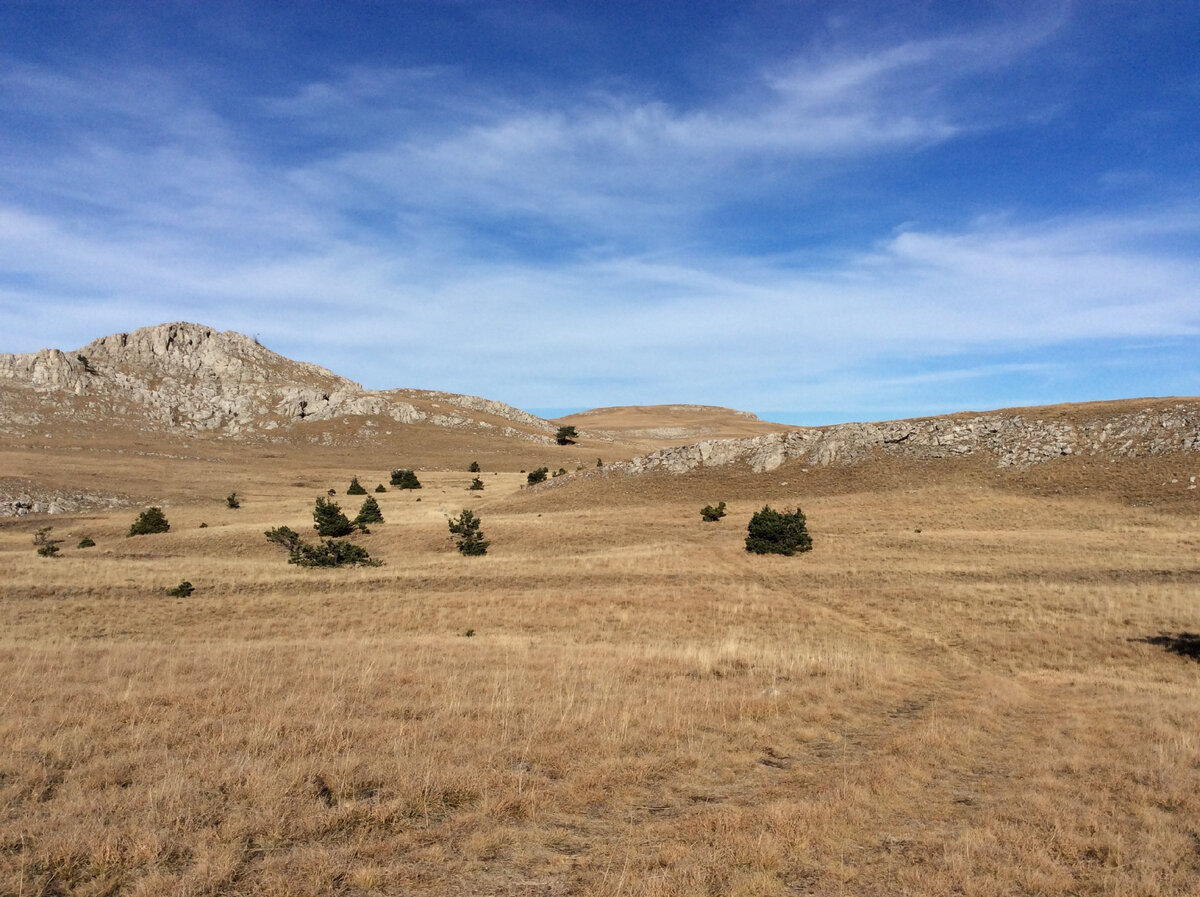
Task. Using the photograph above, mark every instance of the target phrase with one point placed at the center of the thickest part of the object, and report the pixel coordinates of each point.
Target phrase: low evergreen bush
(48, 551)
(86, 542)
(332, 553)
(356, 488)
(151, 520)
(711, 514)
(566, 436)
(231, 501)
(182, 590)
(474, 467)
(476, 484)
(380, 488)
(405, 479)
(536, 476)
(773, 532)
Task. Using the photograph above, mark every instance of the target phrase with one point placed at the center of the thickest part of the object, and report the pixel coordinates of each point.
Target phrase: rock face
(188, 377)
(1011, 438)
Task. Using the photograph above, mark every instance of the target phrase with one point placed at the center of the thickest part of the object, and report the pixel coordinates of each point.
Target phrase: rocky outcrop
(1012, 439)
(18, 501)
(187, 377)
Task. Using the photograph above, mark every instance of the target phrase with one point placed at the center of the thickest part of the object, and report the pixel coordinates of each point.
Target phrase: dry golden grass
(643, 709)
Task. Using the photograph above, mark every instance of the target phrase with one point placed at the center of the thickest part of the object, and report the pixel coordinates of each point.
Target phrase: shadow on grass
(1185, 643)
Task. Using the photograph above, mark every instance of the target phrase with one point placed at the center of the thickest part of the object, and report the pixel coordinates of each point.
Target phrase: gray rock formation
(1012, 439)
(187, 377)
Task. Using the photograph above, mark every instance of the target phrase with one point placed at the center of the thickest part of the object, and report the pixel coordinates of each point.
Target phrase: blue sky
(813, 211)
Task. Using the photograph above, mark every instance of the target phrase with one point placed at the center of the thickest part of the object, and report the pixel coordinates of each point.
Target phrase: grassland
(950, 695)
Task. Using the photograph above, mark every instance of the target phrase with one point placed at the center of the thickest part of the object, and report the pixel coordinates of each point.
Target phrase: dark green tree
(566, 436)
(329, 521)
(405, 479)
(476, 484)
(474, 468)
(285, 536)
(369, 512)
(380, 488)
(151, 520)
(356, 488)
(183, 590)
(711, 514)
(536, 476)
(470, 538)
(773, 532)
(231, 501)
(332, 553)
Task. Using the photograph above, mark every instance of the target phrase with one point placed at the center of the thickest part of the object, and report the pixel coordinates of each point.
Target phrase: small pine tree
(536, 476)
(369, 512)
(476, 484)
(329, 521)
(151, 520)
(405, 479)
(380, 488)
(711, 514)
(470, 538)
(772, 532)
(566, 436)
(42, 536)
(86, 542)
(599, 463)
(183, 590)
(356, 488)
(474, 468)
(48, 551)
(231, 501)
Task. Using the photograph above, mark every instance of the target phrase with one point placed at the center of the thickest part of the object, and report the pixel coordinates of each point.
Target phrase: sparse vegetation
(566, 436)
(536, 476)
(42, 536)
(473, 467)
(405, 478)
(48, 551)
(380, 488)
(86, 542)
(470, 537)
(285, 536)
(85, 363)
(329, 521)
(560, 472)
(183, 590)
(356, 488)
(775, 532)
(713, 514)
(476, 484)
(231, 501)
(151, 520)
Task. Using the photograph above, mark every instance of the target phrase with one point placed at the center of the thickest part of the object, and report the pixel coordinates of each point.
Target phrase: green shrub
(232, 502)
(380, 488)
(151, 520)
(470, 538)
(711, 514)
(476, 484)
(182, 590)
(332, 553)
(356, 488)
(772, 532)
(86, 542)
(48, 551)
(369, 512)
(405, 479)
(285, 536)
(329, 521)
(474, 467)
(566, 436)
(560, 472)
(537, 476)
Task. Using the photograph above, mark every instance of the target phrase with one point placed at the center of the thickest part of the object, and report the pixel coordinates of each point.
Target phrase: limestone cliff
(188, 377)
